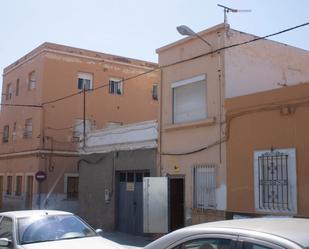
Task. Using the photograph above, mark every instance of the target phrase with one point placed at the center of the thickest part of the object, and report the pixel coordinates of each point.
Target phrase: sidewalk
(128, 240)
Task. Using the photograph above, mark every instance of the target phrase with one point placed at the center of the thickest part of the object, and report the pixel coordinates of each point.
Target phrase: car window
(249, 245)
(52, 227)
(207, 243)
(6, 228)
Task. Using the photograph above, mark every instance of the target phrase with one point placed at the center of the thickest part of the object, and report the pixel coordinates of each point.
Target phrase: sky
(136, 28)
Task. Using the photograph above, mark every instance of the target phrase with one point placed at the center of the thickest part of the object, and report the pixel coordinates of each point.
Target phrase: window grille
(9, 185)
(72, 187)
(273, 181)
(5, 137)
(19, 180)
(32, 80)
(28, 128)
(204, 186)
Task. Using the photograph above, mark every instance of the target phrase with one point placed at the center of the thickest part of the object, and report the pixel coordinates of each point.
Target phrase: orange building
(51, 97)
(267, 152)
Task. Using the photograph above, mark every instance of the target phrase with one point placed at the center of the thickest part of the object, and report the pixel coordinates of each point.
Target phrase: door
(155, 203)
(176, 203)
(130, 202)
(29, 192)
(1, 192)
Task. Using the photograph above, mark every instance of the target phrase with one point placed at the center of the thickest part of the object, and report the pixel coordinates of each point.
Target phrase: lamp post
(185, 30)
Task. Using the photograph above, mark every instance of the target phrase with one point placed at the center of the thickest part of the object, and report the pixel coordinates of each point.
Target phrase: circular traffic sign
(40, 176)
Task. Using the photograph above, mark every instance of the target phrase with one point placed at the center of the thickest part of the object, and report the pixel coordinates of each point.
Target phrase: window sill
(206, 122)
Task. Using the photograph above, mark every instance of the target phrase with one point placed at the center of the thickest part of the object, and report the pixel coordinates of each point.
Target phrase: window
(28, 128)
(207, 243)
(5, 137)
(9, 91)
(84, 81)
(19, 180)
(155, 92)
(17, 88)
(275, 181)
(249, 245)
(9, 185)
(189, 100)
(14, 132)
(6, 228)
(32, 81)
(115, 86)
(204, 188)
(72, 186)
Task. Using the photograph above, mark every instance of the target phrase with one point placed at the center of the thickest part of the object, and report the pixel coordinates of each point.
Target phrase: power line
(172, 64)
(21, 105)
(185, 60)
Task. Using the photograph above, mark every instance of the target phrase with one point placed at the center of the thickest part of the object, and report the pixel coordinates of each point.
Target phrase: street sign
(40, 176)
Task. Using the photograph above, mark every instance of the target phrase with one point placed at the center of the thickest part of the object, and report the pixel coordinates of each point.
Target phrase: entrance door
(1, 192)
(130, 202)
(176, 203)
(29, 192)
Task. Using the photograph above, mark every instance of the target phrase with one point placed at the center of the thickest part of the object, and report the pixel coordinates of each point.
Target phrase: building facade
(267, 153)
(196, 78)
(52, 97)
(115, 162)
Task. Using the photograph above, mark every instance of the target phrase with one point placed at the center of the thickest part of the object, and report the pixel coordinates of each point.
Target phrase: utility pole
(84, 117)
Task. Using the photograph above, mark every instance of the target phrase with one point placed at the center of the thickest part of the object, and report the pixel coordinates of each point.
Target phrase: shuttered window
(189, 100)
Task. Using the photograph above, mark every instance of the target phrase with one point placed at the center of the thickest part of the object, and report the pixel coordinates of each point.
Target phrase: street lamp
(185, 30)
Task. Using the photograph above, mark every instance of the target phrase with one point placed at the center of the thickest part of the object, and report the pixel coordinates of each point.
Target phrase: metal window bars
(273, 184)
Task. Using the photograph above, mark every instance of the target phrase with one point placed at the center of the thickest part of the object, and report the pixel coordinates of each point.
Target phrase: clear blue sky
(136, 28)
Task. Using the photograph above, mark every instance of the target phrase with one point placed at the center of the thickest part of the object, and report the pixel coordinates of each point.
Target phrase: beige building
(53, 96)
(196, 78)
(267, 153)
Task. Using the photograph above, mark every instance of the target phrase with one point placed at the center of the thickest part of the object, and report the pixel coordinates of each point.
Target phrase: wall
(262, 65)
(98, 172)
(275, 119)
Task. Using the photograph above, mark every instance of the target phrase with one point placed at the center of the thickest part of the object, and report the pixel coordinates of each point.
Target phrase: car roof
(27, 213)
(291, 229)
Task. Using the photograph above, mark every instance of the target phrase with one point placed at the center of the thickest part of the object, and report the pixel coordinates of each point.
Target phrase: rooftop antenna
(227, 10)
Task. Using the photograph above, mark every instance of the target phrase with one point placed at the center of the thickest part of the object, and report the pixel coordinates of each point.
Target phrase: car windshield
(51, 227)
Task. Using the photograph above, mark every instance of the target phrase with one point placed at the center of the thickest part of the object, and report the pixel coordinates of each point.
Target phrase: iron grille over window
(204, 191)
(5, 137)
(28, 128)
(72, 187)
(273, 181)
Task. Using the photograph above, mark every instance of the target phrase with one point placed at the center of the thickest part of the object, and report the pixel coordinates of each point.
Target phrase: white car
(49, 229)
(257, 233)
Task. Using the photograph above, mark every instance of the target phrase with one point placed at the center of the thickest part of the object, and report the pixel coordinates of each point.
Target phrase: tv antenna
(228, 10)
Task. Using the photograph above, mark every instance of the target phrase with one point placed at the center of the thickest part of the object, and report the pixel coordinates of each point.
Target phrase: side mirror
(4, 242)
(99, 232)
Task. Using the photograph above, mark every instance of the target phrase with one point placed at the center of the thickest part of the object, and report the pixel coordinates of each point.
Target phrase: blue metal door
(130, 202)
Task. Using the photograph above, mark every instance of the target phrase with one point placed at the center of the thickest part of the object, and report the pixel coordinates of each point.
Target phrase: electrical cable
(165, 66)
(185, 60)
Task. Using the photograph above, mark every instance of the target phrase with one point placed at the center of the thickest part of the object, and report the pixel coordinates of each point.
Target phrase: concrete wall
(98, 172)
(275, 119)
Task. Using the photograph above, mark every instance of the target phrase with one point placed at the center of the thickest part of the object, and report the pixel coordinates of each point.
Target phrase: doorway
(29, 192)
(130, 201)
(176, 203)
